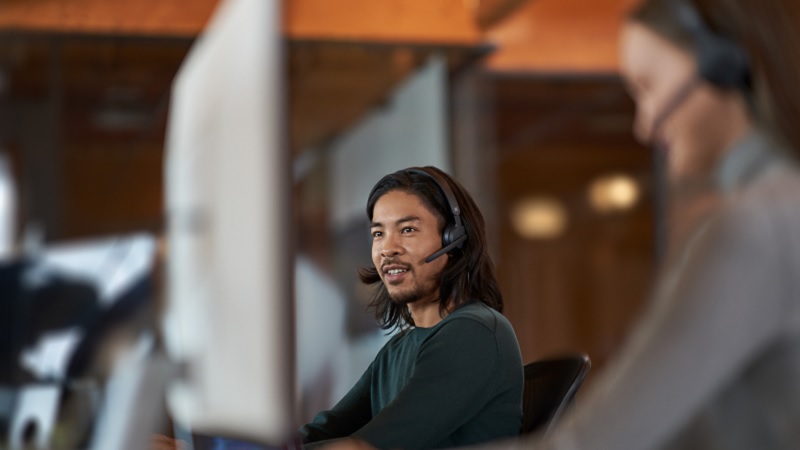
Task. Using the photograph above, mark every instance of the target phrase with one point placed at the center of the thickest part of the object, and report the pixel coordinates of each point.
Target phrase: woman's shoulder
(771, 203)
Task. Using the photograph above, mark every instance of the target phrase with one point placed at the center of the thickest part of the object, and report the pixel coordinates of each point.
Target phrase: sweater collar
(751, 155)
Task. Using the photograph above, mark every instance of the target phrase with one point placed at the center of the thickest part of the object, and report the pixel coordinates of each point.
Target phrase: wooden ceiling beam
(490, 12)
(559, 37)
(454, 22)
(170, 18)
(406, 21)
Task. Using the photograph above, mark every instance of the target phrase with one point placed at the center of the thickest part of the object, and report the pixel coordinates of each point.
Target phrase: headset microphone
(458, 243)
(674, 102)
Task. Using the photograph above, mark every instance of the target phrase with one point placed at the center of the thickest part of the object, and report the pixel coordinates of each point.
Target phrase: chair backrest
(550, 386)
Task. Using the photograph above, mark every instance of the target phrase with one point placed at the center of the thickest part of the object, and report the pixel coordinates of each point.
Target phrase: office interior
(519, 100)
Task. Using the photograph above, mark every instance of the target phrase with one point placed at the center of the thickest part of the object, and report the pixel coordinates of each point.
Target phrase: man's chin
(403, 298)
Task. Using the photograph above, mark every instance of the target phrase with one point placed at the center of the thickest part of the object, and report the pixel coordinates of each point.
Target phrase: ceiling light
(539, 217)
(612, 193)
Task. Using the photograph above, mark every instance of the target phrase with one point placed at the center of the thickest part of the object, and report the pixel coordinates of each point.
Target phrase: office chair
(550, 387)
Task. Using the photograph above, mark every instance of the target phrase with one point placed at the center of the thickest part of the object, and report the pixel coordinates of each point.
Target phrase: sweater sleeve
(453, 379)
(347, 416)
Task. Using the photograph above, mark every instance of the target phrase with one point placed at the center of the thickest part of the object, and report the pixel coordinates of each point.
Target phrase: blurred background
(519, 100)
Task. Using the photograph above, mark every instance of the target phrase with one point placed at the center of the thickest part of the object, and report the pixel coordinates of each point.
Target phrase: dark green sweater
(456, 383)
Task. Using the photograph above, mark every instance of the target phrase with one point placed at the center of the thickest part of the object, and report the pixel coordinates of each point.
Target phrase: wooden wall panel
(582, 290)
(111, 187)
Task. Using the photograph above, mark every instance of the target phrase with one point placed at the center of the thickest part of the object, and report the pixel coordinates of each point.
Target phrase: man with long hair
(452, 375)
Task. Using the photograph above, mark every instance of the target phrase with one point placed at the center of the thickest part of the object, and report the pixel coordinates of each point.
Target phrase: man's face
(404, 233)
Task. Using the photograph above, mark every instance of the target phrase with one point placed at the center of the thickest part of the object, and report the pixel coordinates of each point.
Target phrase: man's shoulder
(476, 312)
(476, 327)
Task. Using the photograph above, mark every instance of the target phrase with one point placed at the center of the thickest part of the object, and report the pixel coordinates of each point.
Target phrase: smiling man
(453, 374)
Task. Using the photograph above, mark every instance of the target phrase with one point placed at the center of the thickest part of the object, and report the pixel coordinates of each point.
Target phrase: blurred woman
(715, 360)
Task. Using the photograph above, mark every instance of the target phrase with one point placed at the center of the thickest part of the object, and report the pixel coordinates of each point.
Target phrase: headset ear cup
(447, 236)
(452, 233)
(722, 63)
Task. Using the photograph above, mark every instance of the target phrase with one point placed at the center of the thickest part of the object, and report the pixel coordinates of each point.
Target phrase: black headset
(720, 60)
(454, 235)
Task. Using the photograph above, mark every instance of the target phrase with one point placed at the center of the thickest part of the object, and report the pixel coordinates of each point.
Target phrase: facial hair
(411, 295)
(404, 298)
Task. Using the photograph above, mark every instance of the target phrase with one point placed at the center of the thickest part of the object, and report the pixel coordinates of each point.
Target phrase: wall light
(611, 193)
(539, 217)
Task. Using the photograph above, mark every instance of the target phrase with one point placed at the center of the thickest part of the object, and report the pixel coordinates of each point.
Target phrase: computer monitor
(229, 262)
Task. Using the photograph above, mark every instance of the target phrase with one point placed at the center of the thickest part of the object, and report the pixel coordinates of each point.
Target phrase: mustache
(394, 262)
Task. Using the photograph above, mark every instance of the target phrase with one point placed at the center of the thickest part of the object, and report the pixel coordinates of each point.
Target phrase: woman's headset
(720, 61)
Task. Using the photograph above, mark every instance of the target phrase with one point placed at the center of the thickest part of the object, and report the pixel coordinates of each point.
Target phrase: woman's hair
(469, 274)
(769, 33)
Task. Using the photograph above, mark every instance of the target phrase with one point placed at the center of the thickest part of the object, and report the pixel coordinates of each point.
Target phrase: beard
(406, 297)
(410, 291)
(413, 294)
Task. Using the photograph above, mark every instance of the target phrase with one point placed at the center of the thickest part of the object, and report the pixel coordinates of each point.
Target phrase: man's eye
(407, 230)
(376, 234)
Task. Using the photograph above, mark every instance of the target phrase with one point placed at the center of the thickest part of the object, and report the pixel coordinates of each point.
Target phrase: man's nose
(390, 246)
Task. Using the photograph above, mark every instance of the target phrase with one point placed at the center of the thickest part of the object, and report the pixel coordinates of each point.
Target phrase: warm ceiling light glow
(539, 218)
(613, 193)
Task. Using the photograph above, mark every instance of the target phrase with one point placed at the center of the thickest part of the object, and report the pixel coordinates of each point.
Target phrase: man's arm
(348, 415)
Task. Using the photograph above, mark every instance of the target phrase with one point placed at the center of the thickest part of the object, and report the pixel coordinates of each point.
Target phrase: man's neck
(426, 313)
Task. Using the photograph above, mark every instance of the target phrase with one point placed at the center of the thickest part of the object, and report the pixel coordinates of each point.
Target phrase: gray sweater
(714, 363)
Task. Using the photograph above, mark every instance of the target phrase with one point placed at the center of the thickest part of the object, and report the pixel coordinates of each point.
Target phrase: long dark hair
(469, 274)
(768, 32)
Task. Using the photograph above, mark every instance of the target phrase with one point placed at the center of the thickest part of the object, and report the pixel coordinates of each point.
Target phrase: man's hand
(350, 444)
(161, 442)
